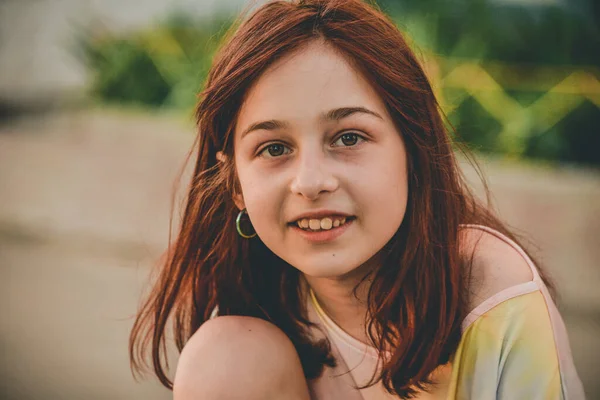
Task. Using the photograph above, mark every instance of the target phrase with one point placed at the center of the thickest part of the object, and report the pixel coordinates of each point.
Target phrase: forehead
(304, 84)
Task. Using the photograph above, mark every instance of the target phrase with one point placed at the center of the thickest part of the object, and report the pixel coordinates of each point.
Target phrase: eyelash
(360, 138)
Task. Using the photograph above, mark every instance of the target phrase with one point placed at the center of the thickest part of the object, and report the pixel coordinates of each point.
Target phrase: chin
(329, 268)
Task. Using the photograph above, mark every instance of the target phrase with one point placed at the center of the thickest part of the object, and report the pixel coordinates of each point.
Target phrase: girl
(330, 248)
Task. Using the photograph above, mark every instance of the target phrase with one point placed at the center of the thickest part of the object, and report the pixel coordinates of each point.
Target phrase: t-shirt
(514, 346)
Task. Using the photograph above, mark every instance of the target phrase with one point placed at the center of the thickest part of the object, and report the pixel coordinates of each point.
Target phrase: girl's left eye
(349, 139)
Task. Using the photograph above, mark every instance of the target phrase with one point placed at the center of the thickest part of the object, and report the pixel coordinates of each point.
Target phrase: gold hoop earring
(239, 228)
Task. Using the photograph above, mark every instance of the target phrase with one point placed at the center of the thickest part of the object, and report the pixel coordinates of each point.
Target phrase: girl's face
(314, 144)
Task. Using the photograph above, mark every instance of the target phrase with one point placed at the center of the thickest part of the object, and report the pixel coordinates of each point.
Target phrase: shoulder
(229, 349)
(498, 263)
(224, 333)
(510, 352)
(514, 343)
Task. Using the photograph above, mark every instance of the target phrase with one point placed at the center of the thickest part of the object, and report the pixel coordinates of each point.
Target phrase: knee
(239, 357)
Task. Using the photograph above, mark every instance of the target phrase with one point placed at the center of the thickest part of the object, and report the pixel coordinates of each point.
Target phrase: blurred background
(96, 102)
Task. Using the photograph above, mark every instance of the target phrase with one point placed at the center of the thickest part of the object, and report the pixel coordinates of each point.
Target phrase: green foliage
(560, 35)
(160, 67)
(575, 139)
(166, 67)
(127, 73)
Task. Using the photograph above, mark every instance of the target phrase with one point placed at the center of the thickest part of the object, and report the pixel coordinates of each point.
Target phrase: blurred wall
(37, 65)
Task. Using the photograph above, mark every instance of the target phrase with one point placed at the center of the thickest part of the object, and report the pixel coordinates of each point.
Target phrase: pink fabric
(357, 360)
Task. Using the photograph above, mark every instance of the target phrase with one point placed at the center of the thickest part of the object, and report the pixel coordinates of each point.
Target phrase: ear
(220, 156)
(238, 198)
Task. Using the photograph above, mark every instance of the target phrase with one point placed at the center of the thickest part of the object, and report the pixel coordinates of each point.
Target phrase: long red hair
(418, 295)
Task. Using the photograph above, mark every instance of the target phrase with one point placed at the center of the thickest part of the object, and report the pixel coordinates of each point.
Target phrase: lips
(321, 236)
(319, 215)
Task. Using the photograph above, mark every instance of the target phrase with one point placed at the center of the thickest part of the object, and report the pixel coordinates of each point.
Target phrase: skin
(254, 354)
(306, 166)
(315, 169)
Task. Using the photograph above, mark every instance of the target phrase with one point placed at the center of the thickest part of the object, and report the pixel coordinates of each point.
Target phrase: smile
(321, 224)
(329, 228)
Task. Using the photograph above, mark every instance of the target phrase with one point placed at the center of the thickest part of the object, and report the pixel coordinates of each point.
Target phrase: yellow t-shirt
(514, 346)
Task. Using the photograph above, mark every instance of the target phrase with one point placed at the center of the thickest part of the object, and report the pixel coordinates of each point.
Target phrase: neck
(345, 306)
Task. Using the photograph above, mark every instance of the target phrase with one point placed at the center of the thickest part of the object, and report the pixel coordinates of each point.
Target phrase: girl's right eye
(274, 150)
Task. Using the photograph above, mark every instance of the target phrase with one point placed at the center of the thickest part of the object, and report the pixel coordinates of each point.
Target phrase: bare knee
(234, 357)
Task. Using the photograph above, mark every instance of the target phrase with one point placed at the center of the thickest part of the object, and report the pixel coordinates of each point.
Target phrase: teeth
(320, 224)
(326, 223)
(314, 224)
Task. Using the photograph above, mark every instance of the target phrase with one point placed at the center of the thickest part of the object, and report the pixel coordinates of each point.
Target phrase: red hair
(418, 295)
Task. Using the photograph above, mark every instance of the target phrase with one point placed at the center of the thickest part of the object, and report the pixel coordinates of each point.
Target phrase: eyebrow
(333, 115)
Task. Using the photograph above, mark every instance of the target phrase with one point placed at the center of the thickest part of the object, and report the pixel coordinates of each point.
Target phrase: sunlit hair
(418, 295)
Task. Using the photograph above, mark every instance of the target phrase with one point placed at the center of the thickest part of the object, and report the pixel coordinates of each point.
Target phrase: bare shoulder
(238, 357)
(497, 265)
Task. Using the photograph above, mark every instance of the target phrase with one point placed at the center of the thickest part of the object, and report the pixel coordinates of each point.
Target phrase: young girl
(330, 248)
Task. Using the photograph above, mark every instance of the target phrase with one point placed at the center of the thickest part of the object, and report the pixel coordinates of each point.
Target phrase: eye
(274, 150)
(349, 139)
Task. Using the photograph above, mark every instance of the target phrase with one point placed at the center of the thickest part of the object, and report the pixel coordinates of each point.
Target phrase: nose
(313, 176)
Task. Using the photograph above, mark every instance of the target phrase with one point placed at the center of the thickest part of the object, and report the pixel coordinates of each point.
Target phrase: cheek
(398, 188)
(385, 192)
(261, 198)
